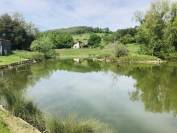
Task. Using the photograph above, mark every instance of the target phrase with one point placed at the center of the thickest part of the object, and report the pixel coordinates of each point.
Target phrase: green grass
(18, 56)
(133, 48)
(3, 126)
(83, 53)
(73, 125)
(107, 52)
(135, 55)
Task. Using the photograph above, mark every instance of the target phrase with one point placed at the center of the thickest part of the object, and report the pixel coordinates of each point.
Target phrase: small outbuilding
(77, 45)
(5, 47)
(80, 44)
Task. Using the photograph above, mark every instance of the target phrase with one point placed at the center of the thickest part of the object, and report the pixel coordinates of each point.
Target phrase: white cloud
(47, 14)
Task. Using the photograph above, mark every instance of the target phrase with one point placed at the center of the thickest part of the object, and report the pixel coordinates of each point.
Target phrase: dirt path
(15, 124)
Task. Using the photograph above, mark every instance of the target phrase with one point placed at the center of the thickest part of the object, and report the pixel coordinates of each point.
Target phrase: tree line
(17, 30)
(157, 32)
(82, 29)
(158, 29)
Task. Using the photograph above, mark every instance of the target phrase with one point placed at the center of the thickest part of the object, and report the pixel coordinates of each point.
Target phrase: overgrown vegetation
(120, 50)
(158, 29)
(94, 40)
(156, 33)
(3, 127)
(58, 39)
(45, 46)
(17, 30)
(20, 107)
(73, 125)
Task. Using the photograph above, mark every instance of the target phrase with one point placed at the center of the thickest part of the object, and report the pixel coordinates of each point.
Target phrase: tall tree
(156, 30)
(15, 29)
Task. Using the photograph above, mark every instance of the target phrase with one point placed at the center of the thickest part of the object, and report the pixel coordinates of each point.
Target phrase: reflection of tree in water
(156, 85)
(156, 88)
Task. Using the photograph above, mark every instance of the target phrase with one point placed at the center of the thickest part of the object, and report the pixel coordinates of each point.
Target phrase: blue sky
(51, 14)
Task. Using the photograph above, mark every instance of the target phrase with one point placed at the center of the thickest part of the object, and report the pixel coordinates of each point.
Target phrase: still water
(129, 98)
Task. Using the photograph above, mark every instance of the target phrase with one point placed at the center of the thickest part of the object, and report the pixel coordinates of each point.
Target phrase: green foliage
(3, 127)
(63, 40)
(15, 29)
(58, 39)
(125, 36)
(127, 39)
(120, 50)
(158, 29)
(72, 125)
(155, 98)
(94, 40)
(108, 38)
(123, 32)
(16, 103)
(82, 30)
(45, 46)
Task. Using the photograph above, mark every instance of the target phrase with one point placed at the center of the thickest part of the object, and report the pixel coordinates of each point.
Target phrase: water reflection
(156, 88)
(117, 94)
(155, 85)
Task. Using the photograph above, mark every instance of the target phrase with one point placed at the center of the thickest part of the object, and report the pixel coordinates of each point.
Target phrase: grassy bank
(107, 52)
(3, 126)
(19, 56)
(12, 124)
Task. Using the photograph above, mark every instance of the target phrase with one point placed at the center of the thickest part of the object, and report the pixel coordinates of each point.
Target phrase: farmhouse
(5, 47)
(77, 45)
(80, 44)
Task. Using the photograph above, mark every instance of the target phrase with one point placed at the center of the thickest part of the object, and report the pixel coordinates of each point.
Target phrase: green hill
(81, 30)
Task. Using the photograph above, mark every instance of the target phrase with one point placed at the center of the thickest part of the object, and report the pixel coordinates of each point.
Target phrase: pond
(132, 98)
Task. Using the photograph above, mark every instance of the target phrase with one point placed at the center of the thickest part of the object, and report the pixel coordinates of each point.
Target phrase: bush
(44, 46)
(72, 125)
(127, 39)
(19, 107)
(94, 40)
(58, 39)
(120, 50)
(63, 40)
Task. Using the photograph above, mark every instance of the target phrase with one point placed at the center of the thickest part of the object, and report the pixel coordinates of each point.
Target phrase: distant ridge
(81, 30)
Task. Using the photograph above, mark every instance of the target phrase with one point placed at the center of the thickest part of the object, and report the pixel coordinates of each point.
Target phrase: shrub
(127, 39)
(120, 50)
(58, 39)
(44, 46)
(94, 40)
(19, 107)
(72, 125)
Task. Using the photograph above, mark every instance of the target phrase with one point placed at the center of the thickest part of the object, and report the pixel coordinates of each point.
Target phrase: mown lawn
(18, 56)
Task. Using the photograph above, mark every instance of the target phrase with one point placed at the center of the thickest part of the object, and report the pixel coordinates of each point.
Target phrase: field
(18, 56)
(107, 52)
(133, 55)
